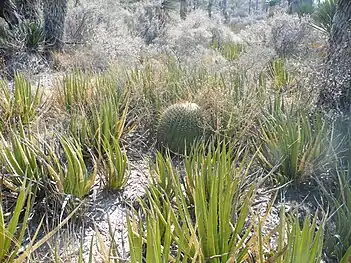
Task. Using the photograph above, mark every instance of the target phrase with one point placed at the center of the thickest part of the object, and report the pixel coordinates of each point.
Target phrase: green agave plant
(205, 229)
(98, 125)
(12, 230)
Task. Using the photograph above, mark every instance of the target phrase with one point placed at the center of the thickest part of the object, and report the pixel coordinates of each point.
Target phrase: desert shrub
(148, 20)
(303, 61)
(102, 34)
(288, 34)
(258, 49)
(190, 40)
(80, 22)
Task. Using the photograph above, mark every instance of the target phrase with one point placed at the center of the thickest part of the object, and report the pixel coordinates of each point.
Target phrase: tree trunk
(293, 6)
(195, 4)
(9, 13)
(183, 9)
(54, 19)
(209, 8)
(224, 6)
(335, 94)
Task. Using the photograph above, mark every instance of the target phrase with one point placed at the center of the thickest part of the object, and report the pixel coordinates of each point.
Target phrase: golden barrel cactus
(180, 125)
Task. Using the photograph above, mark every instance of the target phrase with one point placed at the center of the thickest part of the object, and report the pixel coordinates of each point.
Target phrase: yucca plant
(278, 75)
(205, 229)
(296, 241)
(136, 235)
(19, 157)
(115, 165)
(323, 15)
(109, 121)
(294, 141)
(216, 178)
(158, 246)
(22, 104)
(293, 240)
(33, 33)
(161, 188)
(72, 176)
(75, 92)
(12, 232)
(97, 124)
(304, 243)
(13, 229)
(161, 172)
